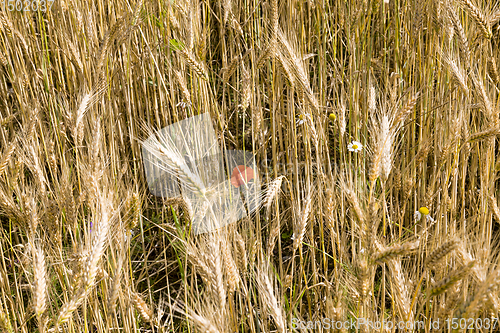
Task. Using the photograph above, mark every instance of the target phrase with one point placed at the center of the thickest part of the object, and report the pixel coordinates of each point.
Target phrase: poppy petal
(241, 175)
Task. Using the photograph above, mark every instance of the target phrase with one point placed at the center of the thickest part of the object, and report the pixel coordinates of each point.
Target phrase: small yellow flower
(424, 210)
(332, 117)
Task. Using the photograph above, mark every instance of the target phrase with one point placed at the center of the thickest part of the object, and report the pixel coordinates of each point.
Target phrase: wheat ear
(5, 321)
(6, 157)
(395, 251)
(197, 67)
(479, 17)
(494, 207)
(272, 191)
(301, 227)
(233, 277)
(175, 165)
(242, 252)
(440, 253)
(203, 323)
(142, 307)
(400, 289)
(269, 299)
(483, 135)
(40, 282)
(91, 267)
(452, 278)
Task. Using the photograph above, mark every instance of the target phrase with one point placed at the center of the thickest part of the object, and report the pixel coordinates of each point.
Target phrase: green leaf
(157, 21)
(176, 45)
(151, 82)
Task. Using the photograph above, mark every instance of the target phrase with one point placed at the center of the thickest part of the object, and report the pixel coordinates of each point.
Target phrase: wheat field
(373, 125)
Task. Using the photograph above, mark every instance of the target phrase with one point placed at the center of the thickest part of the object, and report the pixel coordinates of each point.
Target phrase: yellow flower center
(355, 146)
(301, 117)
(332, 117)
(424, 210)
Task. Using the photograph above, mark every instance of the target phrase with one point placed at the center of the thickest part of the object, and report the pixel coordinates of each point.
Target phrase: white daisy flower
(355, 146)
(301, 120)
(423, 211)
(183, 104)
(129, 234)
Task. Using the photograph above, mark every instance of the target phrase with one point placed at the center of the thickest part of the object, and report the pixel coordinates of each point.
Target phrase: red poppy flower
(241, 175)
